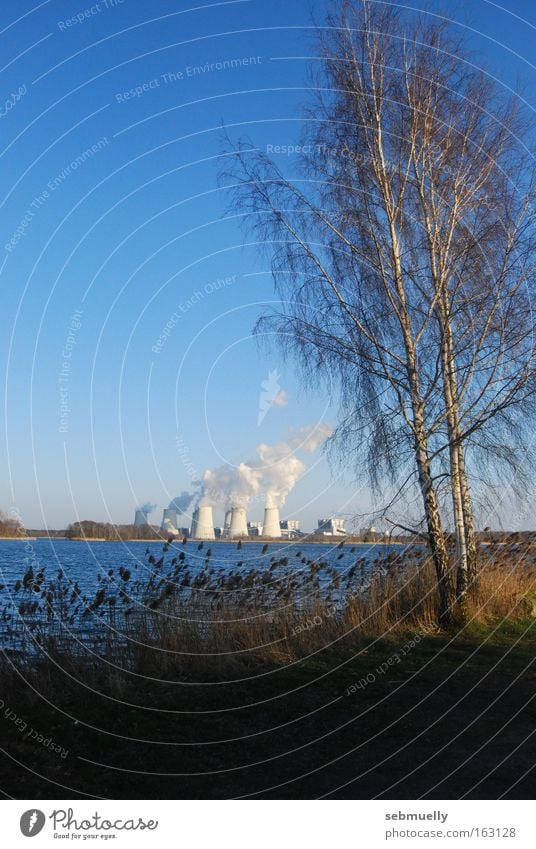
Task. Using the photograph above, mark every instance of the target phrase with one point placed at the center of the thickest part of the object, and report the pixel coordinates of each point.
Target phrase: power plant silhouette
(177, 520)
(271, 475)
(271, 526)
(200, 523)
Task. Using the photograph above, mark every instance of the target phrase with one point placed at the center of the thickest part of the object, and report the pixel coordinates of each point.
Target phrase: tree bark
(470, 537)
(436, 536)
(452, 417)
(438, 548)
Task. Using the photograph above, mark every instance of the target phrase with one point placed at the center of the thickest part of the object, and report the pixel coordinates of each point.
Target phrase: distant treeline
(88, 529)
(514, 537)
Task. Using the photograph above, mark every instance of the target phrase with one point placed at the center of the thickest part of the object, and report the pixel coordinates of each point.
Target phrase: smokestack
(271, 527)
(239, 525)
(169, 521)
(193, 530)
(141, 518)
(227, 523)
(204, 528)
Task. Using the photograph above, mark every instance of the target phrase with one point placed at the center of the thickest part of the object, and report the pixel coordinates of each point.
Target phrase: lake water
(208, 574)
(84, 561)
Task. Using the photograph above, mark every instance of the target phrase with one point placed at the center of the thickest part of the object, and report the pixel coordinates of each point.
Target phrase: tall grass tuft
(176, 621)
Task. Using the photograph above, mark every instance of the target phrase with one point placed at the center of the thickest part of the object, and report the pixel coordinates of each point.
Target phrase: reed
(177, 620)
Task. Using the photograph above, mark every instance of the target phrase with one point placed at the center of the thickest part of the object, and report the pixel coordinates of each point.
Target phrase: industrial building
(271, 526)
(176, 522)
(227, 522)
(237, 526)
(204, 524)
(331, 527)
(255, 529)
(170, 522)
(290, 528)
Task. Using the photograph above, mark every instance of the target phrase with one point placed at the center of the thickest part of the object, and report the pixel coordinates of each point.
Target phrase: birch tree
(402, 251)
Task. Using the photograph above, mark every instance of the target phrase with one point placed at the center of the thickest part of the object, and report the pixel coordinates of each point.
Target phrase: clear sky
(116, 232)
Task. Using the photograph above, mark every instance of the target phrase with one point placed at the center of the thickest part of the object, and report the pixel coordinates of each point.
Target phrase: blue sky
(115, 231)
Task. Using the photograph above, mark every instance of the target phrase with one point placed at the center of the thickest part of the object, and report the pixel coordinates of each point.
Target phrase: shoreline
(243, 540)
(22, 539)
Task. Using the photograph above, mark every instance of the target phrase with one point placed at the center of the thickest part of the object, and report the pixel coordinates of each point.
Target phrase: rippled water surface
(60, 587)
(84, 561)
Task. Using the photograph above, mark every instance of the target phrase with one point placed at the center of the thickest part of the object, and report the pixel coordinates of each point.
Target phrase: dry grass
(225, 629)
(182, 640)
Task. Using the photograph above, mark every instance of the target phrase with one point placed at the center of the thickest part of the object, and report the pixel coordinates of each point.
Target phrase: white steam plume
(310, 437)
(230, 486)
(274, 472)
(181, 502)
(281, 470)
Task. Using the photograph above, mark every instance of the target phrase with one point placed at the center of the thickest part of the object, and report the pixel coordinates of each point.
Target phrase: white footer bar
(268, 824)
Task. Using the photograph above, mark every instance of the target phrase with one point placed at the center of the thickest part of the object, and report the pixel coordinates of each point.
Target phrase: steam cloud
(310, 437)
(147, 507)
(181, 502)
(230, 486)
(274, 471)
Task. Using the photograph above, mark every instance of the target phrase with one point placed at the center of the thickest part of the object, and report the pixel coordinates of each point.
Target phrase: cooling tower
(239, 525)
(271, 526)
(204, 528)
(227, 523)
(141, 518)
(169, 521)
(193, 530)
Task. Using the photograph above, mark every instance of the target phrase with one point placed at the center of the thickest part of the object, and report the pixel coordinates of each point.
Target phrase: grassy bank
(453, 717)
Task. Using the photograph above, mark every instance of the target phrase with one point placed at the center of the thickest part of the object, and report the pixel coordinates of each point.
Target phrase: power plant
(235, 526)
(272, 474)
(239, 524)
(331, 527)
(204, 527)
(193, 529)
(271, 525)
